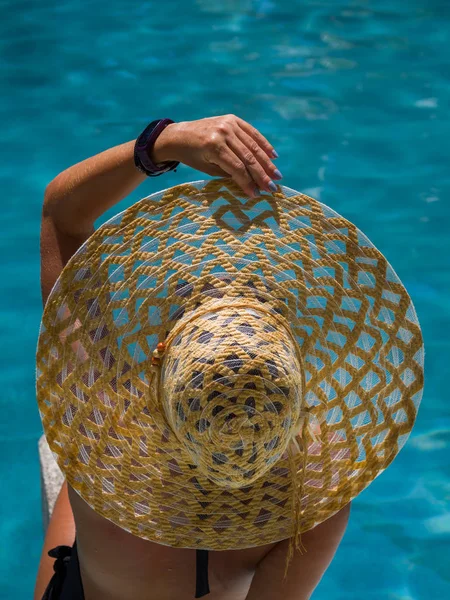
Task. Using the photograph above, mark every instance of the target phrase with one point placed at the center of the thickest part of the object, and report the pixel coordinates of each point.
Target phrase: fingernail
(273, 186)
(274, 154)
(277, 174)
(257, 192)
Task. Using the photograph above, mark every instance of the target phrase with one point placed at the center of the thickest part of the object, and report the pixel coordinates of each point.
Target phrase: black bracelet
(144, 145)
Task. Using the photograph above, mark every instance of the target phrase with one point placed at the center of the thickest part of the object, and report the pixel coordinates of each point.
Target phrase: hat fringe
(297, 445)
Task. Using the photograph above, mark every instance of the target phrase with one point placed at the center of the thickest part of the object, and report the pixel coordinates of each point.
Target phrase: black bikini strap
(62, 555)
(201, 584)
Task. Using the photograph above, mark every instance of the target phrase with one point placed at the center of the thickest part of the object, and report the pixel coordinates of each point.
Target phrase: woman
(115, 565)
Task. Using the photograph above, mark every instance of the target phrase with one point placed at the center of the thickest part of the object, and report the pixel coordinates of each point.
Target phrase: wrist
(165, 147)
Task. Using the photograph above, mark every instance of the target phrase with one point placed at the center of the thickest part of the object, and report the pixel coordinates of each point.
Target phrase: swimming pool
(354, 96)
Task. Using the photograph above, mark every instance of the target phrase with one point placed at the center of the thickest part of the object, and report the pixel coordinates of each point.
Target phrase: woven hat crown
(231, 388)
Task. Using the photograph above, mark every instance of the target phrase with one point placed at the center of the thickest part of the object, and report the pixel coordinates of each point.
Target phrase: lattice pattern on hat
(131, 283)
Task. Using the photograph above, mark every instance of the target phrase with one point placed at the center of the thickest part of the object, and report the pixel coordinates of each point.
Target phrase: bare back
(116, 565)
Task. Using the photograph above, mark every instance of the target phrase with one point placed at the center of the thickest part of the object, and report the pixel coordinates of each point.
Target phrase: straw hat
(288, 374)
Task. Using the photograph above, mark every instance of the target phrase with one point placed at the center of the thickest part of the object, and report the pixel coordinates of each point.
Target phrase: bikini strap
(202, 583)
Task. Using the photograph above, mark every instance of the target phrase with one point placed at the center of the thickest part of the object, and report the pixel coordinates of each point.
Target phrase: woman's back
(116, 565)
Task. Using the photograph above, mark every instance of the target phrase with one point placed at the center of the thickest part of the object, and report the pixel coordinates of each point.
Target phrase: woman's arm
(81, 194)
(306, 570)
(220, 146)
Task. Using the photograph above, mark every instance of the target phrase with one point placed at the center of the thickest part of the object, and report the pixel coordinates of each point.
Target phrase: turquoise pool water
(353, 95)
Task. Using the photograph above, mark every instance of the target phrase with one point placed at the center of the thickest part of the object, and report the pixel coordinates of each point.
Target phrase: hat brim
(127, 286)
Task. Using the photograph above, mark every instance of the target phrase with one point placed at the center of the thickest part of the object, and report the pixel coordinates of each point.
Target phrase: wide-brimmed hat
(204, 358)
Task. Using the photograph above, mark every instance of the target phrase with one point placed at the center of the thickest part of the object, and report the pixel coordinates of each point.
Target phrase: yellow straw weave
(291, 376)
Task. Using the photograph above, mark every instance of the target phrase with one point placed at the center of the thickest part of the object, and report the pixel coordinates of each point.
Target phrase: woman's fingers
(257, 136)
(256, 160)
(227, 160)
(240, 150)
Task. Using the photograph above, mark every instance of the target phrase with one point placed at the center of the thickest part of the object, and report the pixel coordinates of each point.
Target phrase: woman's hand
(219, 146)
(224, 146)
